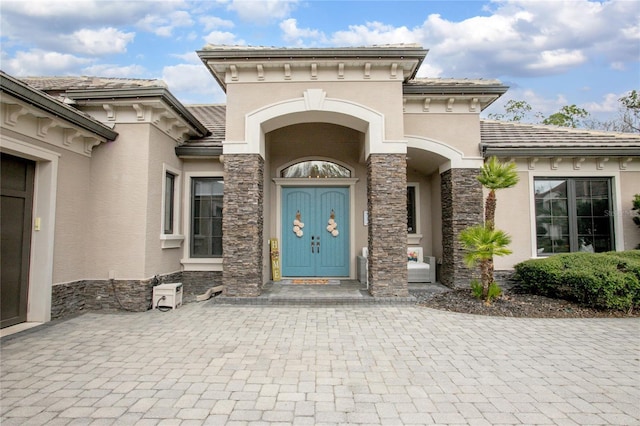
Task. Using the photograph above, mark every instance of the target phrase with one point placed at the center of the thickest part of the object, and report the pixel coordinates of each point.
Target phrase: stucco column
(242, 225)
(461, 207)
(387, 205)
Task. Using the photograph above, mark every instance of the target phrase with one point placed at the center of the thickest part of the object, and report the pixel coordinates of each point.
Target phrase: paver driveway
(396, 365)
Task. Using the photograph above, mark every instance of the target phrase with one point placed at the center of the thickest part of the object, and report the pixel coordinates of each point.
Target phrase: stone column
(387, 205)
(242, 225)
(462, 206)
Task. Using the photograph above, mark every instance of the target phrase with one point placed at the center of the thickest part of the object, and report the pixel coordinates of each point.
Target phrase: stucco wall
(383, 97)
(159, 260)
(629, 186)
(118, 207)
(459, 131)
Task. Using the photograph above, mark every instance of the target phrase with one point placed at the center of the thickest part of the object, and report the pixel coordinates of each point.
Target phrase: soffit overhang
(235, 63)
(560, 150)
(436, 95)
(154, 104)
(27, 100)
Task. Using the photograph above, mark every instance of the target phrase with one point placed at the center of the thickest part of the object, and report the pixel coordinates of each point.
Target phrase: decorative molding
(69, 135)
(426, 105)
(404, 104)
(600, 161)
(473, 105)
(234, 72)
(622, 162)
(139, 109)
(314, 71)
(13, 113)
(159, 115)
(260, 70)
(314, 99)
(111, 113)
(89, 144)
(394, 71)
(554, 162)
(44, 124)
(367, 70)
(577, 163)
(450, 103)
(341, 71)
(531, 163)
(287, 71)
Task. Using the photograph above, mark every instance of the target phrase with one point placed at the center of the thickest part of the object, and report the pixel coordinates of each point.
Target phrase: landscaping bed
(515, 304)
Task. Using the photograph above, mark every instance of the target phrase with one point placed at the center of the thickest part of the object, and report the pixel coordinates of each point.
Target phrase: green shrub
(601, 280)
(494, 291)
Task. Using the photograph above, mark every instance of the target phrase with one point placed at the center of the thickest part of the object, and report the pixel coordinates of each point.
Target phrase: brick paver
(216, 364)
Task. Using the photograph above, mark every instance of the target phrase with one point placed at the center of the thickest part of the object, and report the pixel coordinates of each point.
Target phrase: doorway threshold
(346, 292)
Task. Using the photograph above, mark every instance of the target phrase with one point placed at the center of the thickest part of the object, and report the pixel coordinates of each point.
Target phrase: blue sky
(550, 53)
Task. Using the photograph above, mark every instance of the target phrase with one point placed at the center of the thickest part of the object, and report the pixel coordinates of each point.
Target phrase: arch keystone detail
(314, 99)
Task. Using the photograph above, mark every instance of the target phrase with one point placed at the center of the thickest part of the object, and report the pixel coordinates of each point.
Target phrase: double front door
(315, 232)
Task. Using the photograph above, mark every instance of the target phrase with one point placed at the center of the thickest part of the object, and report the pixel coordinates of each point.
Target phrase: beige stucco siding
(119, 202)
(158, 260)
(458, 131)
(382, 97)
(513, 215)
(629, 186)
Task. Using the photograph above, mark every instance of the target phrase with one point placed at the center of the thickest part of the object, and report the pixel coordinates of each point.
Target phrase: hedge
(601, 280)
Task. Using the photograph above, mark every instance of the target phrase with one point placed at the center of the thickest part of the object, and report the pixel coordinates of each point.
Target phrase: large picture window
(411, 210)
(206, 217)
(572, 215)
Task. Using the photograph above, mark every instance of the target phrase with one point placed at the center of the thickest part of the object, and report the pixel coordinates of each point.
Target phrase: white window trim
(413, 239)
(170, 241)
(196, 263)
(616, 196)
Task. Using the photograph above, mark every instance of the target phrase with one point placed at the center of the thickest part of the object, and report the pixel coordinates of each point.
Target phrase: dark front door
(16, 207)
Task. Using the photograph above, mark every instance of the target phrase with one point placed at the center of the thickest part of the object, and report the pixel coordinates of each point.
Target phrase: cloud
(192, 83)
(222, 38)
(296, 36)
(163, 25)
(117, 71)
(515, 38)
(213, 22)
(610, 103)
(263, 11)
(38, 62)
(98, 42)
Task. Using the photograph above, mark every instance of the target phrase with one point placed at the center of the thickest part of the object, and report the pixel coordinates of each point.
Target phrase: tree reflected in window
(316, 169)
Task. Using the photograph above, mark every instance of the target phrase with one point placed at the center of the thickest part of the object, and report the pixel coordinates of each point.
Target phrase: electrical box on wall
(167, 296)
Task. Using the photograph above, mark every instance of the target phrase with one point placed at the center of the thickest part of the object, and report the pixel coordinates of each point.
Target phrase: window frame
(196, 263)
(613, 197)
(192, 236)
(415, 237)
(175, 238)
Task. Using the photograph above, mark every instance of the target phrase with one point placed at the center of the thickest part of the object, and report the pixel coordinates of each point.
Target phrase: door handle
(318, 244)
(312, 244)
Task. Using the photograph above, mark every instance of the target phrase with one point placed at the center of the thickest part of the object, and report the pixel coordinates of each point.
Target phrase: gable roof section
(45, 102)
(518, 139)
(72, 89)
(213, 117)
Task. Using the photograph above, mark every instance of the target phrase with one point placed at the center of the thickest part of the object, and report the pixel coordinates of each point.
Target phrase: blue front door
(315, 232)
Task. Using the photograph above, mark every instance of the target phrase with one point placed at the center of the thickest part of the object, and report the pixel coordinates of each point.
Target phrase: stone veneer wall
(387, 205)
(130, 295)
(195, 283)
(462, 206)
(243, 225)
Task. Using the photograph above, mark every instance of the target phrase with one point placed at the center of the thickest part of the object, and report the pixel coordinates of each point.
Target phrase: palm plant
(496, 175)
(481, 244)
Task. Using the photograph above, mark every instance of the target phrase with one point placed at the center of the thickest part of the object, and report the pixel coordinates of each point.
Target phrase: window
(316, 169)
(572, 215)
(206, 217)
(169, 202)
(411, 209)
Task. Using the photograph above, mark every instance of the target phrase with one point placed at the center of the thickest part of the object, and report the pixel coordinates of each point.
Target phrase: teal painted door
(320, 247)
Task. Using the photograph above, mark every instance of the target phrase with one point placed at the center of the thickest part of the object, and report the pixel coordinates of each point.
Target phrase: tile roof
(449, 82)
(530, 135)
(213, 117)
(84, 82)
